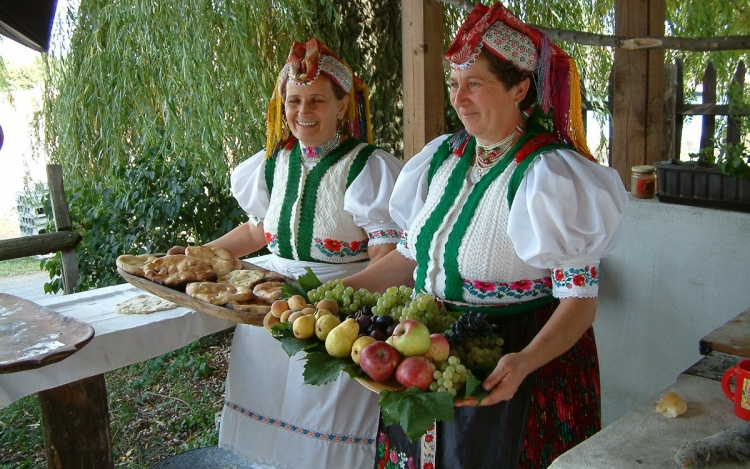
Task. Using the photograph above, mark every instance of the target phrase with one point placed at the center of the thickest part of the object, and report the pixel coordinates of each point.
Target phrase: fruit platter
(419, 358)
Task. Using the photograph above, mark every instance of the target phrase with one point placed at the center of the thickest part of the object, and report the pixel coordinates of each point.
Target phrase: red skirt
(557, 407)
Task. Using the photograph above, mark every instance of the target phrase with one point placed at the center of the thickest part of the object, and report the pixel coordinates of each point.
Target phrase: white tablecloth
(120, 339)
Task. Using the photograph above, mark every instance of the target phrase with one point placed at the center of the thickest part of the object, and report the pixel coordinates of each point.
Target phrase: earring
(515, 103)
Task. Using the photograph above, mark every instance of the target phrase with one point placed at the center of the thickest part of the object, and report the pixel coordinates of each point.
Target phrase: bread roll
(671, 405)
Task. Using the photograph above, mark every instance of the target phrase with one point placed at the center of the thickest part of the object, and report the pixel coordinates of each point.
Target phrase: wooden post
(679, 102)
(670, 110)
(709, 98)
(424, 77)
(638, 117)
(75, 418)
(733, 127)
(62, 223)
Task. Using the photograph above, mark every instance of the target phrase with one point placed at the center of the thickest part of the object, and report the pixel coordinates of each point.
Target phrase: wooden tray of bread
(225, 291)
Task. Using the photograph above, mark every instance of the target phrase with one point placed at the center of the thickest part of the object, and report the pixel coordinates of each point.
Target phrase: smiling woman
(317, 198)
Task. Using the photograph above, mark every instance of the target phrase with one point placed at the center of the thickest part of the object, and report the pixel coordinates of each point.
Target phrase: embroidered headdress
(529, 50)
(305, 63)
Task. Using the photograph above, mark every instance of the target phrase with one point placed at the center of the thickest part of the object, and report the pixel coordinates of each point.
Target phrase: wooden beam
(36, 245)
(424, 84)
(655, 87)
(68, 259)
(638, 117)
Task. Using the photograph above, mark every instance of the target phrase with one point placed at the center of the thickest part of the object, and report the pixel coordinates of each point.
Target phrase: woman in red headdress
(508, 217)
(317, 197)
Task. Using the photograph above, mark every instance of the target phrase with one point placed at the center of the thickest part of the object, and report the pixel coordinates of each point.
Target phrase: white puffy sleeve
(566, 215)
(410, 191)
(367, 198)
(248, 185)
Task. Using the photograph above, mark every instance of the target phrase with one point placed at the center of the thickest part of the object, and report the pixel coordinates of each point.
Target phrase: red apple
(411, 338)
(440, 348)
(415, 371)
(379, 360)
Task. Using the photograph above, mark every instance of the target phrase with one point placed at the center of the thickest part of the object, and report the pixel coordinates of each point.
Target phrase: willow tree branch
(633, 43)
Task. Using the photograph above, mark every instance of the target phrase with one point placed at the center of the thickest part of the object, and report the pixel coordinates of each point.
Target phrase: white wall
(678, 273)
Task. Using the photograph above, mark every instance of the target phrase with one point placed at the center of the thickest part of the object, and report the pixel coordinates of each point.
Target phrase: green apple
(411, 338)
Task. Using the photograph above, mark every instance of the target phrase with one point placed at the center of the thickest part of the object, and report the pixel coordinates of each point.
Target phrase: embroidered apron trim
(333, 437)
(498, 310)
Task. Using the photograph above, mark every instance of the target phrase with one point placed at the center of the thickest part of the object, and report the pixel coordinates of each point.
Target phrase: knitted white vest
(490, 269)
(335, 238)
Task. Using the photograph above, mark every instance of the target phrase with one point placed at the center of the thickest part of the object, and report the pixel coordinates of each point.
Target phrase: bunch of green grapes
(425, 309)
(402, 304)
(392, 302)
(450, 376)
(479, 351)
(348, 299)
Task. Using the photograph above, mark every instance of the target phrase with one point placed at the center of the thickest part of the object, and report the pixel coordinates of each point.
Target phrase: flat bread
(256, 305)
(143, 304)
(176, 271)
(221, 259)
(134, 264)
(247, 278)
(269, 291)
(219, 293)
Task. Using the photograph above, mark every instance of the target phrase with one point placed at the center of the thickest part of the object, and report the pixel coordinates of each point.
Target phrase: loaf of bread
(134, 264)
(671, 405)
(221, 260)
(178, 270)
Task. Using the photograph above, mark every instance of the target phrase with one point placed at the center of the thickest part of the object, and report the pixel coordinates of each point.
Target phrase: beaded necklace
(314, 154)
(488, 155)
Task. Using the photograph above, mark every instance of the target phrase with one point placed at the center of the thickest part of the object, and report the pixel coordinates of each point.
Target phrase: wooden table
(32, 336)
(732, 338)
(72, 392)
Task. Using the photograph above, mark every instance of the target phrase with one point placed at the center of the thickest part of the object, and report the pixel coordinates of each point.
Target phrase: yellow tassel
(576, 131)
(275, 120)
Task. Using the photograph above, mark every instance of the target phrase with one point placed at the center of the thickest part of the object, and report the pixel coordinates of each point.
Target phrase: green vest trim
(308, 199)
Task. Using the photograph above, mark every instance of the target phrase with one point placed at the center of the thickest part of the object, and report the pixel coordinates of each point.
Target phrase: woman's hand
(504, 380)
(567, 324)
(176, 250)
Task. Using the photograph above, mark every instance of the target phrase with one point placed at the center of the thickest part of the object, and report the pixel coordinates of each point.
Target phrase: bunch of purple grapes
(379, 327)
(468, 326)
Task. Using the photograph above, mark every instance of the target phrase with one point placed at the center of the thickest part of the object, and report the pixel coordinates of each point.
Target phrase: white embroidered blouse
(365, 203)
(566, 214)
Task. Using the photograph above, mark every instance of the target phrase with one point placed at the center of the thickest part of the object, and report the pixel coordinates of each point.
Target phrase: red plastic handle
(729, 374)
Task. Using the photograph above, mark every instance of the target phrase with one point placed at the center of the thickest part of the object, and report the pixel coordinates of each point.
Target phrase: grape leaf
(305, 283)
(309, 281)
(415, 410)
(474, 388)
(292, 345)
(321, 368)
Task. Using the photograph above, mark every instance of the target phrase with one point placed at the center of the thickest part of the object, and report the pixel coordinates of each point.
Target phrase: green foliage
(415, 410)
(696, 18)
(23, 265)
(167, 202)
(186, 84)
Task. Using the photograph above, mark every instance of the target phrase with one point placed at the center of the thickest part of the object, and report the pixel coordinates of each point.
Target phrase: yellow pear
(304, 326)
(322, 312)
(339, 341)
(359, 345)
(325, 324)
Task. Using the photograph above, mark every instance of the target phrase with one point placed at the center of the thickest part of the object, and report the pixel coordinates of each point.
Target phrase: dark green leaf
(309, 281)
(322, 368)
(415, 410)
